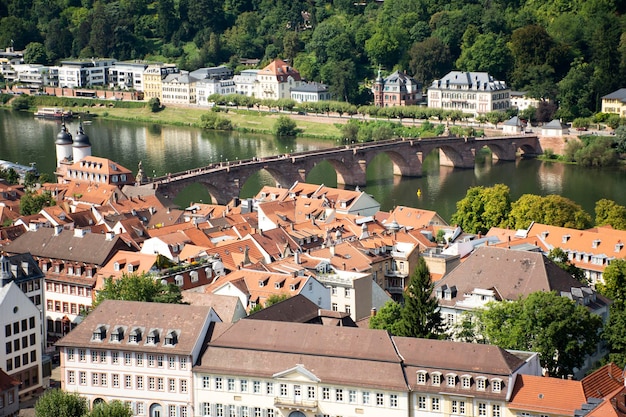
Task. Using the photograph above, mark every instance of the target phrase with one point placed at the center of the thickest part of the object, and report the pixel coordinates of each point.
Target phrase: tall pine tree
(420, 315)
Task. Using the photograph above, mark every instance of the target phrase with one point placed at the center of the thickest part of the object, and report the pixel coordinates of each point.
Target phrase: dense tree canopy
(545, 48)
(58, 403)
(614, 287)
(138, 287)
(556, 327)
(553, 209)
(483, 208)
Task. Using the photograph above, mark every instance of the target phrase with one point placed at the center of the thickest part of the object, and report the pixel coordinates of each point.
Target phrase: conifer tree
(420, 315)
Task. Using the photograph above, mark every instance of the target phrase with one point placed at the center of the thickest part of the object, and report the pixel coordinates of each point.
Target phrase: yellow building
(153, 79)
(615, 102)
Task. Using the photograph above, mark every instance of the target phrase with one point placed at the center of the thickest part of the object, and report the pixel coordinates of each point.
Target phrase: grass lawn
(261, 122)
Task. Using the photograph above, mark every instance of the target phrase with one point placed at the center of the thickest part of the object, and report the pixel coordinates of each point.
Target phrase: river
(162, 149)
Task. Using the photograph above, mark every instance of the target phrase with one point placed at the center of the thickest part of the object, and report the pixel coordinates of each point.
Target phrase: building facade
(615, 102)
(398, 89)
(83, 73)
(127, 75)
(470, 92)
(139, 353)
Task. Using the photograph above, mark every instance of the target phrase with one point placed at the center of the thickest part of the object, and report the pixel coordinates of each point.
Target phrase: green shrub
(285, 126)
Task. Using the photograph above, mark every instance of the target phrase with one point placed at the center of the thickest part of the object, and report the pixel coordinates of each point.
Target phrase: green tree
(563, 332)
(614, 287)
(429, 59)
(154, 104)
(58, 403)
(9, 175)
(138, 287)
(32, 203)
(559, 257)
(554, 210)
(420, 316)
(487, 52)
(35, 53)
(387, 317)
(608, 212)
(495, 117)
(285, 126)
(114, 408)
(483, 208)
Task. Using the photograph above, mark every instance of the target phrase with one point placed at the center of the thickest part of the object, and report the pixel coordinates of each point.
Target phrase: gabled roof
(617, 95)
(415, 217)
(299, 309)
(188, 321)
(546, 395)
(339, 356)
(526, 272)
(45, 243)
(603, 381)
(473, 80)
(554, 125)
(7, 382)
(281, 70)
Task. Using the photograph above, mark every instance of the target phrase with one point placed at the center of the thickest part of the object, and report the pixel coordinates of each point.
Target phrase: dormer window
(99, 334)
(496, 385)
(117, 335)
(135, 336)
(153, 337)
(618, 246)
(481, 383)
(179, 280)
(421, 377)
(451, 380)
(436, 378)
(466, 381)
(171, 338)
(565, 238)
(595, 243)
(194, 276)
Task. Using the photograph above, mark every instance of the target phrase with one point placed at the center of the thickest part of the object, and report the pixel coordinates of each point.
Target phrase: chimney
(332, 249)
(57, 230)
(109, 236)
(78, 232)
(296, 257)
(373, 312)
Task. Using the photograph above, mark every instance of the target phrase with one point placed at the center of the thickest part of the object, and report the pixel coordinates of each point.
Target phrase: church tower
(379, 86)
(82, 146)
(63, 145)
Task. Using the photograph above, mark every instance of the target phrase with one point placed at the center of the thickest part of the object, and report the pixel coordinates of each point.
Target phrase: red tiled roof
(547, 395)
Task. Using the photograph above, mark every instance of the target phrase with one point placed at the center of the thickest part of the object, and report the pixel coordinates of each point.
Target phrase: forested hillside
(572, 51)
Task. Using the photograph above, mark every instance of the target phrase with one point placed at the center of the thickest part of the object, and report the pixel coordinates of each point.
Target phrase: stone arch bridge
(224, 180)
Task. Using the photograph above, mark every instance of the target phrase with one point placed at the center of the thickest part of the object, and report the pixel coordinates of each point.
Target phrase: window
(393, 400)
(451, 380)
(171, 362)
(141, 409)
(16, 344)
(205, 409)
(115, 379)
(351, 396)
(482, 409)
(103, 380)
(206, 382)
(71, 377)
(183, 411)
(480, 384)
(421, 403)
(348, 309)
(8, 348)
(160, 384)
(115, 358)
(243, 385)
(496, 385)
(151, 383)
(421, 378)
(346, 292)
(380, 398)
(270, 388)
(103, 356)
(495, 410)
(466, 382)
(334, 307)
(95, 378)
(172, 384)
(310, 393)
(139, 382)
(231, 384)
(139, 359)
(325, 393)
(172, 411)
(436, 379)
(339, 395)
(435, 403)
(160, 361)
(33, 339)
(7, 330)
(82, 378)
(183, 362)
(218, 383)
(151, 360)
(128, 381)
(183, 385)
(256, 387)
(366, 397)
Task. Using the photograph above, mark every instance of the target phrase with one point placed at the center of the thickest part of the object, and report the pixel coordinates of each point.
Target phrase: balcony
(286, 403)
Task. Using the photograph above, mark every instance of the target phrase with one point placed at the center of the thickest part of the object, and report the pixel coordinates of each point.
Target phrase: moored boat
(53, 113)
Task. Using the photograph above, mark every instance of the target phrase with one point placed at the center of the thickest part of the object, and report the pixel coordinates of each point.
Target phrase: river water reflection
(163, 149)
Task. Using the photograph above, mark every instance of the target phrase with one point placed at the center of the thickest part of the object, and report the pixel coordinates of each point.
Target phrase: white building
(127, 75)
(276, 80)
(138, 353)
(32, 75)
(207, 87)
(20, 324)
(470, 92)
(310, 92)
(179, 89)
(520, 101)
(83, 73)
(246, 83)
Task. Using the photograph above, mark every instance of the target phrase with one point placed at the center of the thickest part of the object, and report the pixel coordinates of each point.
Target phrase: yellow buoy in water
(419, 192)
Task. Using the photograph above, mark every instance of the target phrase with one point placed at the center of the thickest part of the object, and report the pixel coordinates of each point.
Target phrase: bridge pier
(464, 159)
(354, 176)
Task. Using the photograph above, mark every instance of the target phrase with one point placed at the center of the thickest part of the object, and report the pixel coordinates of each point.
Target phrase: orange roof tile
(547, 395)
